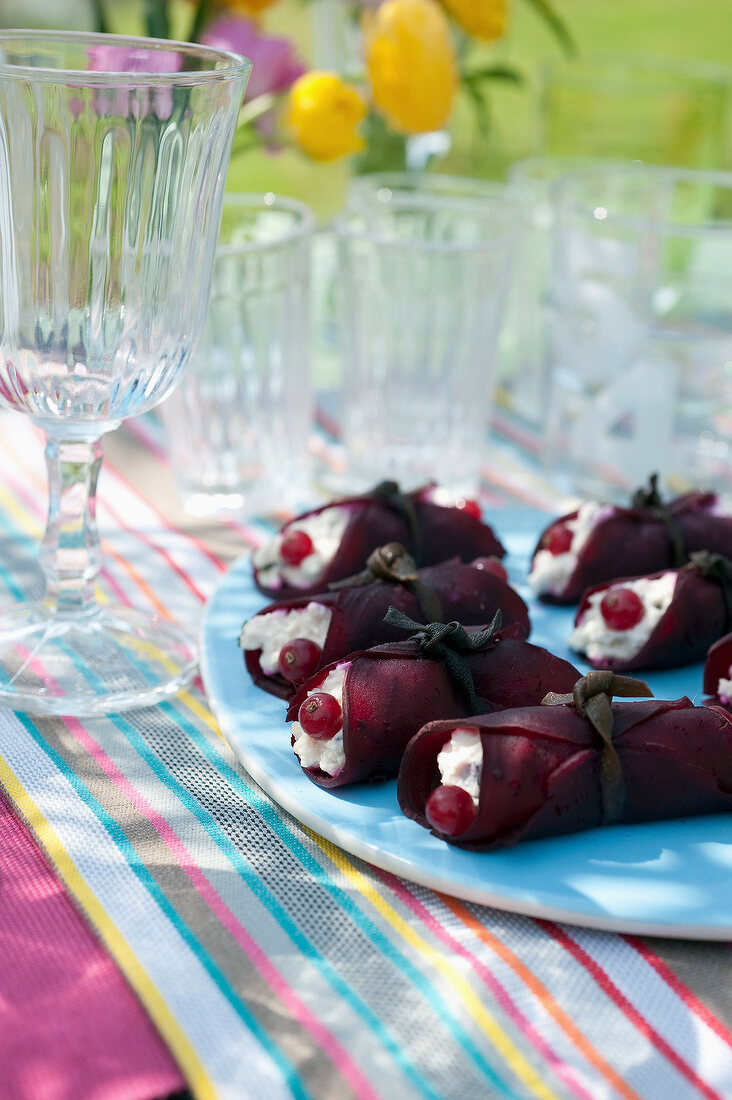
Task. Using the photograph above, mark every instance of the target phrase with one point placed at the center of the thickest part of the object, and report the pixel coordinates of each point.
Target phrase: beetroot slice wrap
(718, 667)
(446, 532)
(431, 532)
(641, 540)
(471, 596)
(391, 690)
(541, 773)
(699, 613)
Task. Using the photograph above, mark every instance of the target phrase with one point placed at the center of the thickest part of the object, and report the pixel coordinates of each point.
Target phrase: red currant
(320, 715)
(296, 545)
(557, 539)
(299, 659)
(471, 507)
(450, 810)
(622, 608)
(491, 565)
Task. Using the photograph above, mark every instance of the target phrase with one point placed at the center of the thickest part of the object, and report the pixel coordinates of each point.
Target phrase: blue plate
(672, 878)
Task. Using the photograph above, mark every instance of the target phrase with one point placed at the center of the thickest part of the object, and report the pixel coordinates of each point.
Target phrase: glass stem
(71, 553)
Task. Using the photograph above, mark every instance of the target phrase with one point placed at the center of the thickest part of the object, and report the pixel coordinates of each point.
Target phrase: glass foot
(105, 661)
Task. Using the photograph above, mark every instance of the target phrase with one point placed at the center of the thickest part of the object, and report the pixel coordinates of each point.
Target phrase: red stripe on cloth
(542, 994)
(328, 423)
(609, 988)
(158, 549)
(684, 994)
(527, 439)
(144, 435)
(162, 519)
(70, 1025)
(35, 508)
(513, 489)
(250, 536)
(528, 1030)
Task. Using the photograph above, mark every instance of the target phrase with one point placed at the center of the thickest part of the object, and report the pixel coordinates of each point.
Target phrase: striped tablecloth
(165, 926)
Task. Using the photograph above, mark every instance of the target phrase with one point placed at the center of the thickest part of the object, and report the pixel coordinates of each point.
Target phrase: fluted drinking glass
(423, 286)
(112, 159)
(238, 425)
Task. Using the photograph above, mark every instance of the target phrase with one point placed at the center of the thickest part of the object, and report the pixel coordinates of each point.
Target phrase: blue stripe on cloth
(141, 872)
(30, 544)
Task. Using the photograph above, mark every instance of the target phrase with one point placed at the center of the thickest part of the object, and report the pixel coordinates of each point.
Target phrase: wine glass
(113, 152)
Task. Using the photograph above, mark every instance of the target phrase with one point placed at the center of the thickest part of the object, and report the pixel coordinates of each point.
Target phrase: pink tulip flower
(275, 64)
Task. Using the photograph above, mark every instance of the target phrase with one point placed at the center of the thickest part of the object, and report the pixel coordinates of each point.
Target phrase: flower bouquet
(387, 102)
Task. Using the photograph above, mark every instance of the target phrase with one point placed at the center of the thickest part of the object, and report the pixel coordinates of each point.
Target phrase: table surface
(165, 926)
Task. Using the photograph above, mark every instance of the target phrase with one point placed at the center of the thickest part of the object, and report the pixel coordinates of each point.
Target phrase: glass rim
(502, 203)
(465, 186)
(266, 200)
(529, 169)
(603, 64)
(235, 65)
(566, 200)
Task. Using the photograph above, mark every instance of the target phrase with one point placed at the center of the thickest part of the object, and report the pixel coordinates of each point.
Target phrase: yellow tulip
(322, 115)
(484, 19)
(411, 64)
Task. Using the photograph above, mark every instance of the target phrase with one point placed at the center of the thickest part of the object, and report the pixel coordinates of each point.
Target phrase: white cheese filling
(326, 755)
(461, 762)
(325, 530)
(593, 637)
(270, 632)
(550, 572)
(444, 497)
(721, 507)
(724, 688)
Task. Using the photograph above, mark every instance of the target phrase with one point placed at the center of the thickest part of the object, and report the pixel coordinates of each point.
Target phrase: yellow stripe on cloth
(21, 516)
(179, 1046)
(201, 711)
(510, 1053)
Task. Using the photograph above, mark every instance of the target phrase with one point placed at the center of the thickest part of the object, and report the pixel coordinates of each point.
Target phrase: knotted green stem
(592, 696)
(716, 568)
(650, 499)
(450, 642)
(400, 502)
(395, 565)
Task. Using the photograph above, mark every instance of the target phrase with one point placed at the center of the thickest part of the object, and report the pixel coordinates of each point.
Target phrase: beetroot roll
(353, 719)
(542, 771)
(718, 673)
(660, 621)
(334, 542)
(291, 640)
(601, 542)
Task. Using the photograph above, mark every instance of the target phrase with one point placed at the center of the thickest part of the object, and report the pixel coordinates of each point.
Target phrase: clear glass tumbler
(366, 189)
(112, 160)
(641, 304)
(423, 284)
(658, 110)
(238, 424)
(382, 186)
(523, 370)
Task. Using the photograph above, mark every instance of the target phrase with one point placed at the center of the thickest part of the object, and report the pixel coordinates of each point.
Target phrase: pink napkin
(70, 1026)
